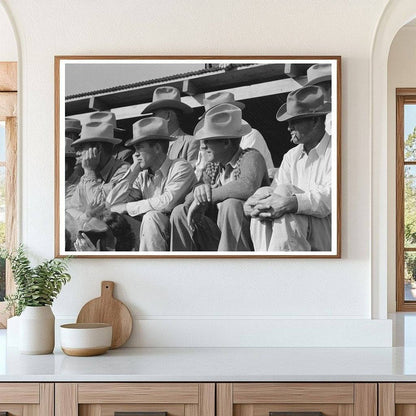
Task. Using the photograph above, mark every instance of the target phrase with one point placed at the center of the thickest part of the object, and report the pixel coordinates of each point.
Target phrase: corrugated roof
(156, 80)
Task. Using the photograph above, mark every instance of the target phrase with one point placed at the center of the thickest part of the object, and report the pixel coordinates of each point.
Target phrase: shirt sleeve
(127, 188)
(253, 175)
(317, 201)
(179, 182)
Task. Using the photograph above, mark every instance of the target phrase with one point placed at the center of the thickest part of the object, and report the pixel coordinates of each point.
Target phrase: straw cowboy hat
(72, 125)
(105, 117)
(221, 97)
(167, 97)
(97, 132)
(223, 121)
(149, 128)
(69, 151)
(304, 102)
(319, 73)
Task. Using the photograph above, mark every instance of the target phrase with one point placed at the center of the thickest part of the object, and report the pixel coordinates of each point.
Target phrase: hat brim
(200, 135)
(176, 105)
(238, 104)
(96, 139)
(317, 80)
(283, 115)
(134, 141)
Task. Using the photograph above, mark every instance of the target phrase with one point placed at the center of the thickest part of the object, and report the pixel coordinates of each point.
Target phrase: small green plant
(35, 286)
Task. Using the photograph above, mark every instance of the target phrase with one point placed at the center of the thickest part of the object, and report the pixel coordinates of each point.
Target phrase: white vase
(13, 331)
(36, 330)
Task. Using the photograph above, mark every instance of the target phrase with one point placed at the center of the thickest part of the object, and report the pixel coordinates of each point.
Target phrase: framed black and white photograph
(198, 156)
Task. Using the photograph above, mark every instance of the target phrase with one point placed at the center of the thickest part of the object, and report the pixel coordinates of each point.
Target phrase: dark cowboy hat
(304, 102)
(167, 97)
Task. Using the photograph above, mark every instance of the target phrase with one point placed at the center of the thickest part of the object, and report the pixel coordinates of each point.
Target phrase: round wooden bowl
(86, 339)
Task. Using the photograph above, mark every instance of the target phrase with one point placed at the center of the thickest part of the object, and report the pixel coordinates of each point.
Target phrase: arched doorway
(8, 148)
(396, 14)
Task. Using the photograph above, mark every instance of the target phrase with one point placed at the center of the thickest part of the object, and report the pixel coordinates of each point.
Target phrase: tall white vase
(37, 330)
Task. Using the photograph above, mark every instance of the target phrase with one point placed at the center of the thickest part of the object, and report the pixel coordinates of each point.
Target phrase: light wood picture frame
(292, 103)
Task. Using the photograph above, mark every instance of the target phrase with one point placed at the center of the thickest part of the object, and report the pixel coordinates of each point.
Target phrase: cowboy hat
(105, 117)
(167, 97)
(69, 151)
(97, 132)
(304, 102)
(220, 97)
(150, 128)
(221, 122)
(72, 125)
(319, 73)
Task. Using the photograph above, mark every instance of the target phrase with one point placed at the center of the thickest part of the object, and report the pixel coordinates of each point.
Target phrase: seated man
(167, 104)
(154, 185)
(230, 177)
(101, 171)
(295, 215)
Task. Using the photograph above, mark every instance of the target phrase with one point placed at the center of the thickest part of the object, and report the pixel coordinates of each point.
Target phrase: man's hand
(275, 206)
(120, 208)
(90, 159)
(83, 243)
(256, 198)
(196, 210)
(203, 194)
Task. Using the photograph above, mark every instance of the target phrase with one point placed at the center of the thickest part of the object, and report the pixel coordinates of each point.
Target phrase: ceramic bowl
(83, 340)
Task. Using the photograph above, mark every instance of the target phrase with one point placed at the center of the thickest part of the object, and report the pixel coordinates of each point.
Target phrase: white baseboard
(258, 332)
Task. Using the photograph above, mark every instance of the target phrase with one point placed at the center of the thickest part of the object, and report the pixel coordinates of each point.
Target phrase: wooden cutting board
(107, 309)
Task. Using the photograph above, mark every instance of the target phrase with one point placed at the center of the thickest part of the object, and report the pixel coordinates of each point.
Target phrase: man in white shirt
(295, 214)
(154, 184)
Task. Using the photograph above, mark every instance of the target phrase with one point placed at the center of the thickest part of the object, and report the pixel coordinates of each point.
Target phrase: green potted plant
(36, 289)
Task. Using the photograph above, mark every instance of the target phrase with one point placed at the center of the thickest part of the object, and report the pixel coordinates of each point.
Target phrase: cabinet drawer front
(252, 393)
(138, 393)
(111, 409)
(27, 393)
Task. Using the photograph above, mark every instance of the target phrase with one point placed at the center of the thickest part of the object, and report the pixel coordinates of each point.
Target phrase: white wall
(8, 46)
(401, 74)
(178, 302)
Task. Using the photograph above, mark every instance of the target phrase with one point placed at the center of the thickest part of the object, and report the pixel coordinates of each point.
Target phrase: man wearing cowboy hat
(253, 139)
(230, 177)
(167, 104)
(321, 75)
(154, 185)
(101, 170)
(296, 214)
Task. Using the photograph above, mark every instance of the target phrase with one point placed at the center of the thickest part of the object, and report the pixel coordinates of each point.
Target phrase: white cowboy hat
(319, 73)
(221, 97)
(105, 117)
(150, 128)
(167, 97)
(221, 122)
(304, 102)
(97, 132)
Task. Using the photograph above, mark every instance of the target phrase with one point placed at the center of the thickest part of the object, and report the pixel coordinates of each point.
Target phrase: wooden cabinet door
(153, 399)
(397, 399)
(297, 399)
(27, 399)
